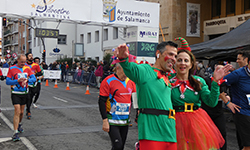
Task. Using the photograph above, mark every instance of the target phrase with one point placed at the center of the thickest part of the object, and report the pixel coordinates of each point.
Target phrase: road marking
(28, 144)
(5, 139)
(57, 98)
(25, 141)
(9, 124)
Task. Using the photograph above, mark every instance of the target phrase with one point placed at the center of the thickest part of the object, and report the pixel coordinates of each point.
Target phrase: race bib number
(22, 75)
(122, 108)
(248, 98)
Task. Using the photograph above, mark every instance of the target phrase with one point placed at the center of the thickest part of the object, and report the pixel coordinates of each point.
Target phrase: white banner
(52, 74)
(49, 9)
(117, 12)
(125, 12)
(5, 71)
(193, 20)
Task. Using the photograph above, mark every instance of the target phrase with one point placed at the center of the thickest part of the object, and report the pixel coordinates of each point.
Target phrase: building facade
(195, 20)
(16, 36)
(221, 15)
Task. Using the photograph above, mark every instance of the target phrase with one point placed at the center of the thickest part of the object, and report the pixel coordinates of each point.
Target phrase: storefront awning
(226, 46)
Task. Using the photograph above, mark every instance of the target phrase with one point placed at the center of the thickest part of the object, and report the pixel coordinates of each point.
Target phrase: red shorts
(151, 145)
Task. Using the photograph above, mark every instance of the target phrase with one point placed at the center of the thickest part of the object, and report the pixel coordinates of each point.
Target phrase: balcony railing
(6, 42)
(7, 32)
(14, 42)
(15, 30)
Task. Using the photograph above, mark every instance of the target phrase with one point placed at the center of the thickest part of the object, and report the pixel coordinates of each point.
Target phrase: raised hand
(221, 72)
(121, 51)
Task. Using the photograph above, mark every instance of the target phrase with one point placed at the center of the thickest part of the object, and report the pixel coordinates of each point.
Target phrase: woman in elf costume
(195, 129)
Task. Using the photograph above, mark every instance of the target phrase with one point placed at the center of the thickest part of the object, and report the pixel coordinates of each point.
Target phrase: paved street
(66, 120)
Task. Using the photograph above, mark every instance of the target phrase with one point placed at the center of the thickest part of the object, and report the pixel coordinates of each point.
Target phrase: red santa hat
(184, 44)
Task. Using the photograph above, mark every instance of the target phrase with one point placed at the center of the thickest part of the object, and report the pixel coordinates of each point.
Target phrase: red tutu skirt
(196, 131)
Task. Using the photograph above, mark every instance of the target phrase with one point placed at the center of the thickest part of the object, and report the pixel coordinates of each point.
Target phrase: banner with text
(5, 71)
(48, 9)
(123, 12)
(146, 49)
(52, 74)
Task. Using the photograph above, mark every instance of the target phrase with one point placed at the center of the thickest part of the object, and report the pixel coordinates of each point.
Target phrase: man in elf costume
(156, 121)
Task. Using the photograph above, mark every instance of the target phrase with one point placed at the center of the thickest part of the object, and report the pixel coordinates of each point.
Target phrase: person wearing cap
(114, 105)
(35, 68)
(195, 129)
(156, 121)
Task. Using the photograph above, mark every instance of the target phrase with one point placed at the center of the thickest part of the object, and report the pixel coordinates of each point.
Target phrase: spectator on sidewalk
(5, 65)
(98, 74)
(63, 69)
(106, 70)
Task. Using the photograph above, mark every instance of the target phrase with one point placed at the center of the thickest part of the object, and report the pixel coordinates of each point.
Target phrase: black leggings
(118, 136)
(38, 89)
(220, 122)
(31, 94)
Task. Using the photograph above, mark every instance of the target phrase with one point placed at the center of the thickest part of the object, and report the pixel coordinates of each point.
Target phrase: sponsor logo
(55, 54)
(109, 10)
(149, 34)
(131, 34)
(56, 50)
(46, 9)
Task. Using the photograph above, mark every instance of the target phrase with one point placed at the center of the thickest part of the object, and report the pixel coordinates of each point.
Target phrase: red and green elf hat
(184, 44)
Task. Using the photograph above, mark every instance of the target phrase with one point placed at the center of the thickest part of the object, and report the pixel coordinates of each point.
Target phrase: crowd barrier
(85, 78)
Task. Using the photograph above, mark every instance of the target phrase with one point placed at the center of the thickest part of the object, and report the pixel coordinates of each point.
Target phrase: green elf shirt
(152, 92)
(187, 94)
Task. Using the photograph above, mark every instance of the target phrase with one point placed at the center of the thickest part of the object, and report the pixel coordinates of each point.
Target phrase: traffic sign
(14, 55)
(8, 56)
(8, 51)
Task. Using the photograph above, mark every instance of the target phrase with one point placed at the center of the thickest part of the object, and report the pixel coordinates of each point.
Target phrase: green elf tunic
(189, 95)
(152, 92)
(195, 129)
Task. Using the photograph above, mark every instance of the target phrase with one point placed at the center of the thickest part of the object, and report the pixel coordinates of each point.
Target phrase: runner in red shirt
(18, 77)
(115, 104)
(35, 68)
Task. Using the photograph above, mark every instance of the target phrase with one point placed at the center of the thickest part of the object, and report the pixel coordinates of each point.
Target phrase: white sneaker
(34, 105)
